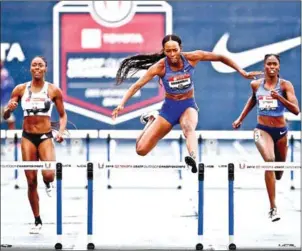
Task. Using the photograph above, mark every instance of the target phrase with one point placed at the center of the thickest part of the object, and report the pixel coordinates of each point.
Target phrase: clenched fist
(237, 123)
(12, 105)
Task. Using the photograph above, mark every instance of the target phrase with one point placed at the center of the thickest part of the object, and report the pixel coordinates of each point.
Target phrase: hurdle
(59, 176)
(15, 135)
(59, 170)
(231, 177)
(16, 159)
(292, 146)
(200, 148)
(59, 167)
(110, 135)
(108, 145)
(203, 136)
(90, 244)
(86, 135)
(293, 136)
(180, 144)
(291, 118)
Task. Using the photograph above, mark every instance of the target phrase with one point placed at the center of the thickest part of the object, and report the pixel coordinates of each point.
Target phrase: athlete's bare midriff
(272, 121)
(37, 124)
(182, 96)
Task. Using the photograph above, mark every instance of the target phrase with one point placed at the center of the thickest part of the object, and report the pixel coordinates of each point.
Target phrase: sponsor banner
(33, 165)
(90, 41)
(257, 166)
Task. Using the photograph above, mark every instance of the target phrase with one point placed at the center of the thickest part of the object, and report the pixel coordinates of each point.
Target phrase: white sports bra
(36, 104)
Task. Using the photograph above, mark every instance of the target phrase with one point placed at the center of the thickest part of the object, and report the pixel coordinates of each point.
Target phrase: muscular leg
(152, 134)
(150, 121)
(281, 153)
(46, 152)
(265, 146)
(188, 122)
(29, 153)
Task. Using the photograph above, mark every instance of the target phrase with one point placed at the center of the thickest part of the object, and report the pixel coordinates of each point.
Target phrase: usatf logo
(101, 165)
(91, 38)
(47, 165)
(242, 166)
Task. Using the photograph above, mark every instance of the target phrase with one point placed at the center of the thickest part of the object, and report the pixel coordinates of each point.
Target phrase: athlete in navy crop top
(175, 68)
(37, 98)
(271, 95)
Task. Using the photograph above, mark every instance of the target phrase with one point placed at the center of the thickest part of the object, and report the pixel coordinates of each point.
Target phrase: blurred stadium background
(220, 96)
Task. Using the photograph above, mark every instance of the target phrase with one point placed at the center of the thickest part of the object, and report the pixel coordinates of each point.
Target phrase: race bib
(34, 103)
(267, 103)
(180, 81)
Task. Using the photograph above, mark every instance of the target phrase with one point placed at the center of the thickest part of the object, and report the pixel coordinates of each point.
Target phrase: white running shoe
(48, 189)
(146, 116)
(36, 229)
(273, 215)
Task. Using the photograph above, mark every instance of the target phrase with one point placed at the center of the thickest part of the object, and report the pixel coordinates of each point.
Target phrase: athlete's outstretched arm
(250, 104)
(150, 74)
(290, 102)
(200, 55)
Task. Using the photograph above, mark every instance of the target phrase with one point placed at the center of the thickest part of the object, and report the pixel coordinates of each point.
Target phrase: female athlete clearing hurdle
(272, 95)
(175, 69)
(37, 98)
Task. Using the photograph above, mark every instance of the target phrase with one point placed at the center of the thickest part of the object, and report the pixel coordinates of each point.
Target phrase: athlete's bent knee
(187, 128)
(270, 159)
(49, 176)
(32, 184)
(141, 151)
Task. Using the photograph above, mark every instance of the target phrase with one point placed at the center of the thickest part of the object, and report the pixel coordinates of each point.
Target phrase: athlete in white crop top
(37, 98)
(270, 134)
(36, 103)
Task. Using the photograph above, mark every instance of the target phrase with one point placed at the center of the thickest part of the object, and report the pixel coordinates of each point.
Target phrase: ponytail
(133, 64)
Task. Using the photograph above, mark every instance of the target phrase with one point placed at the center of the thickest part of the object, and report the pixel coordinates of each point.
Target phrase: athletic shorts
(173, 109)
(37, 139)
(275, 132)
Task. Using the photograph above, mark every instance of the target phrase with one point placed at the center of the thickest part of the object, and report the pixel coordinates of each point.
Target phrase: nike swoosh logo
(281, 133)
(249, 57)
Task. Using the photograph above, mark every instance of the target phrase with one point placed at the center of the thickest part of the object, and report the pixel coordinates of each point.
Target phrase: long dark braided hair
(133, 64)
